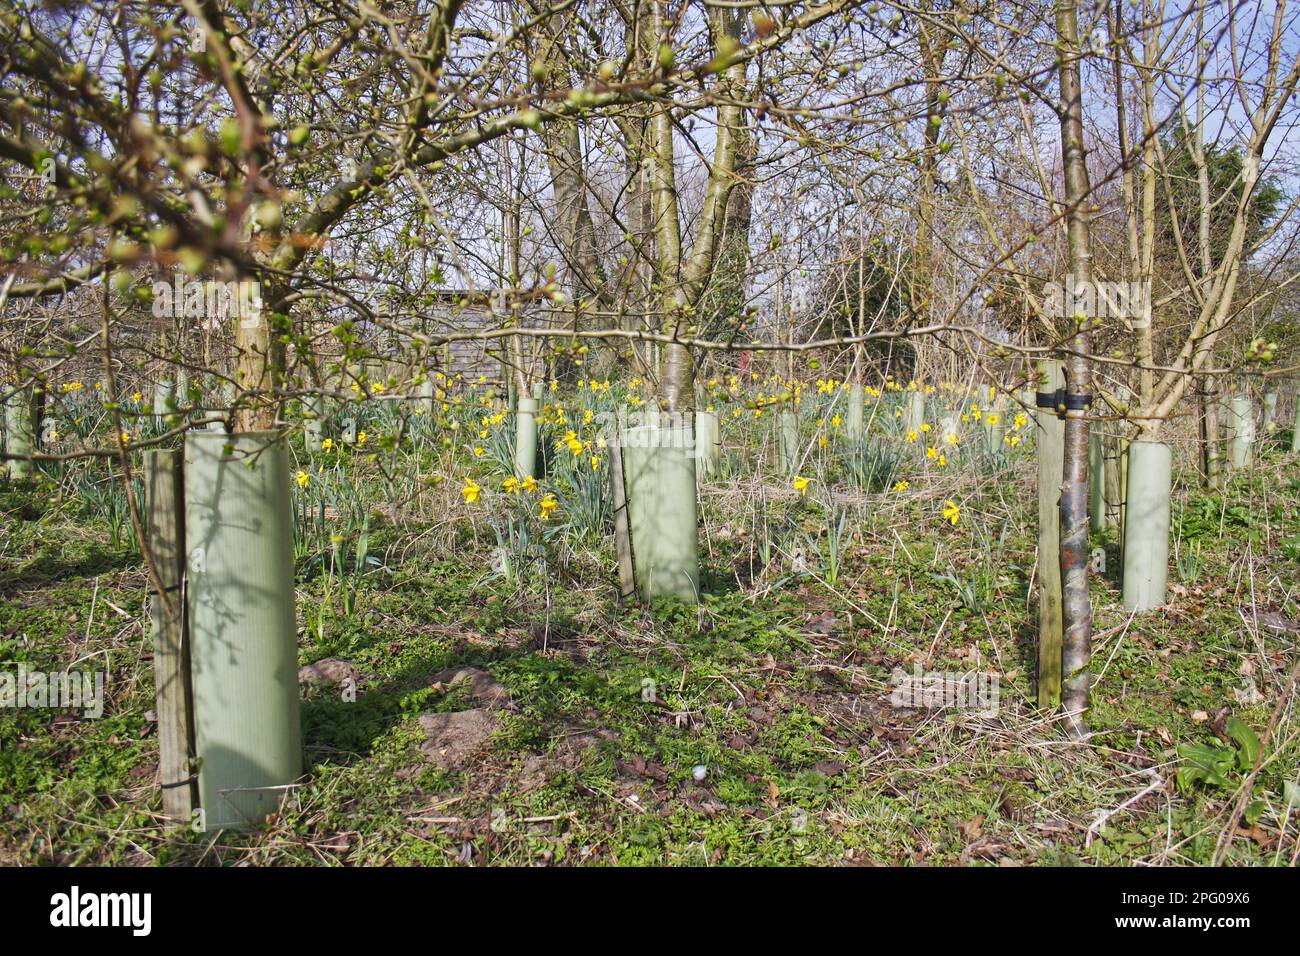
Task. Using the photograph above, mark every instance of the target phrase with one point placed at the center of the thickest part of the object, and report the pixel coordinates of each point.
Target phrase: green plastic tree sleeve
(708, 438)
(526, 438)
(1146, 525)
(915, 410)
(1225, 415)
(1096, 478)
(425, 404)
(995, 431)
(853, 417)
(164, 396)
(1241, 431)
(949, 424)
(659, 471)
(1295, 426)
(243, 641)
(1270, 412)
(788, 441)
(20, 433)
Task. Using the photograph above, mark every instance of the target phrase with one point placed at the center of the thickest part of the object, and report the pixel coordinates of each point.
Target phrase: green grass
(777, 684)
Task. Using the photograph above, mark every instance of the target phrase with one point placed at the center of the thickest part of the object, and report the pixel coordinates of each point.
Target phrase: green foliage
(1206, 516)
(1224, 166)
(1220, 766)
(871, 465)
(1190, 563)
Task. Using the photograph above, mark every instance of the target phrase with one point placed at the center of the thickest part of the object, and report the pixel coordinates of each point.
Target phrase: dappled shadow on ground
(51, 569)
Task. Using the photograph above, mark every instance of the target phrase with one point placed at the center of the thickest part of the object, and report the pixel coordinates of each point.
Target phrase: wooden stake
(622, 539)
(1050, 445)
(165, 540)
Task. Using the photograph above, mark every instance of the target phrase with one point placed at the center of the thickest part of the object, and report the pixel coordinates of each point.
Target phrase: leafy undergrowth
(756, 729)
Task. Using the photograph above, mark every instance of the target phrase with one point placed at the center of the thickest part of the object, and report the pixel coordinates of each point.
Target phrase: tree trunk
(1076, 605)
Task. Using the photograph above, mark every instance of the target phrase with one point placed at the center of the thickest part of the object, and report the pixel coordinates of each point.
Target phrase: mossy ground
(778, 684)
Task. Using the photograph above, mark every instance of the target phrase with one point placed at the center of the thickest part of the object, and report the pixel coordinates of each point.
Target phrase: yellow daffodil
(900, 486)
(303, 479)
(801, 484)
(951, 513)
(547, 506)
(327, 444)
(529, 484)
(470, 491)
